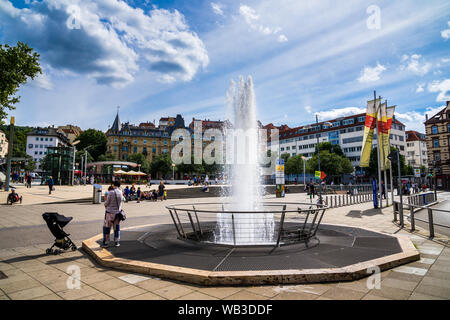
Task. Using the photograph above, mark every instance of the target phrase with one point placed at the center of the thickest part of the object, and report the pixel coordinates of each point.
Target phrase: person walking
(50, 184)
(28, 180)
(161, 188)
(113, 205)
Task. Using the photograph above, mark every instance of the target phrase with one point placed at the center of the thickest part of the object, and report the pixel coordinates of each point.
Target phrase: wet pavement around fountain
(27, 273)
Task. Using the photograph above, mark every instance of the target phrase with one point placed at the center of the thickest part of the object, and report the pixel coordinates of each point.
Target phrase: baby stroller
(56, 222)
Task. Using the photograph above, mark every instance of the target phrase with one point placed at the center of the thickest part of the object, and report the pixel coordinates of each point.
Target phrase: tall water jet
(244, 173)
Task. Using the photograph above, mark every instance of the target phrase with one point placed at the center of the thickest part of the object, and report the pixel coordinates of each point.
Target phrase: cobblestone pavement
(30, 274)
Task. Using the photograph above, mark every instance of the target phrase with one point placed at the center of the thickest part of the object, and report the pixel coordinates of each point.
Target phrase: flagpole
(383, 158)
(378, 147)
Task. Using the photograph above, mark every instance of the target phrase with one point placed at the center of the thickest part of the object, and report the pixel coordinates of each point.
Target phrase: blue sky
(158, 58)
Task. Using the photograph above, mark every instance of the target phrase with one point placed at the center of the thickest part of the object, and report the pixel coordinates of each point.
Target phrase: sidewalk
(33, 275)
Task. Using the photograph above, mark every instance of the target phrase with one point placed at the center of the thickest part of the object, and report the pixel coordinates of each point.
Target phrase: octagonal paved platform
(340, 253)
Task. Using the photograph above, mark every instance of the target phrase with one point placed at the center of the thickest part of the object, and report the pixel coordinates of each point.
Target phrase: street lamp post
(173, 171)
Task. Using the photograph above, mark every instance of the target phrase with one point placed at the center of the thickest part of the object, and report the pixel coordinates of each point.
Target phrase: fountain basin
(221, 224)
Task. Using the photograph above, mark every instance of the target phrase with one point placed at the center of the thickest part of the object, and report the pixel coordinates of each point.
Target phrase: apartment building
(347, 132)
(3, 145)
(416, 149)
(438, 145)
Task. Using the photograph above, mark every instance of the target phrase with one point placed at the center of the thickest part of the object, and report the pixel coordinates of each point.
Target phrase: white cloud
(308, 109)
(369, 74)
(336, 113)
(282, 38)
(413, 120)
(217, 8)
(42, 81)
(442, 87)
(446, 33)
(412, 63)
(111, 40)
(253, 20)
(420, 87)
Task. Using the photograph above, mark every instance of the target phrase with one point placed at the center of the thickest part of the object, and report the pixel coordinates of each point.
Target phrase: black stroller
(56, 222)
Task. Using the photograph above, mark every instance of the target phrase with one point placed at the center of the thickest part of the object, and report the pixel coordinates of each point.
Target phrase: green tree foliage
(372, 170)
(93, 139)
(108, 156)
(80, 155)
(139, 158)
(294, 165)
(285, 157)
(330, 163)
(17, 65)
(20, 140)
(331, 148)
(161, 164)
(30, 164)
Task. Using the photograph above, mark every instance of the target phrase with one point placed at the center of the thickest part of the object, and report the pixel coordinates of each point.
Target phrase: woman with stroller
(113, 206)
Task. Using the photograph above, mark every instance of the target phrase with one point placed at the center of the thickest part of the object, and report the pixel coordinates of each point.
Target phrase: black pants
(50, 189)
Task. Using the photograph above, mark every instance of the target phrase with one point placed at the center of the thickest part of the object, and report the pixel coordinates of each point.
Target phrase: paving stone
(411, 270)
(433, 291)
(343, 294)
(125, 292)
(266, 291)
(245, 295)
(426, 261)
(31, 293)
(220, 292)
(172, 292)
(401, 284)
(148, 296)
(370, 296)
(97, 296)
(95, 277)
(435, 282)
(52, 296)
(359, 285)
(391, 293)
(153, 284)
(421, 296)
(405, 276)
(440, 268)
(19, 285)
(110, 284)
(74, 294)
(439, 274)
(196, 296)
(133, 278)
(295, 296)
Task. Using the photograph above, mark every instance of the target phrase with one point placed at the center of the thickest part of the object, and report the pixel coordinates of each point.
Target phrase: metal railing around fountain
(271, 223)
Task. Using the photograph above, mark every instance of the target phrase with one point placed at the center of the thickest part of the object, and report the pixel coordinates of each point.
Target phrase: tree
(139, 158)
(161, 164)
(330, 163)
(331, 148)
(17, 65)
(372, 169)
(108, 156)
(94, 139)
(285, 157)
(294, 165)
(20, 140)
(30, 164)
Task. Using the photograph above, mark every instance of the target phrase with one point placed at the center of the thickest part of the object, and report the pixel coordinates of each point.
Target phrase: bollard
(413, 225)
(331, 202)
(430, 222)
(339, 200)
(395, 208)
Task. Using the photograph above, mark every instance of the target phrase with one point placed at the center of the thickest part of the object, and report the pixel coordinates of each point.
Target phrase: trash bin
(97, 194)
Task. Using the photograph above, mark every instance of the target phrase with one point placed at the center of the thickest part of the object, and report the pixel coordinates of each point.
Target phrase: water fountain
(247, 239)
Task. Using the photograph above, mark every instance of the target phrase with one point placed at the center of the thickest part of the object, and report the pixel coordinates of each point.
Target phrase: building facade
(127, 139)
(71, 132)
(347, 132)
(39, 139)
(3, 144)
(416, 149)
(438, 146)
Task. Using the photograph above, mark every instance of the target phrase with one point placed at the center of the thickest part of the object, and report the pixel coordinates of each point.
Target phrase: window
(36, 146)
(51, 139)
(165, 142)
(362, 119)
(154, 141)
(135, 149)
(400, 138)
(115, 140)
(165, 150)
(115, 148)
(154, 150)
(37, 139)
(41, 146)
(46, 139)
(282, 149)
(350, 129)
(354, 139)
(35, 152)
(348, 121)
(135, 141)
(42, 139)
(448, 128)
(144, 149)
(145, 141)
(437, 155)
(336, 124)
(435, 142)
(30, 146)
(434, 130)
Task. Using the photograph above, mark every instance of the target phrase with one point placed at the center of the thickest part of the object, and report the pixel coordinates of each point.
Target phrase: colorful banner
(369, 126)
(390, 117)
(319, 175)
(383, 136)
